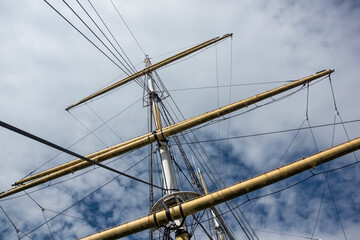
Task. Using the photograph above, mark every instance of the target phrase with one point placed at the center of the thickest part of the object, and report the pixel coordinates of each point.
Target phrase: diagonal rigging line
(286, 188)
(50, 144)
(83, 35)
(87, 13)
(127, 27)
(12, 223)
(82, 199)
(273, 132)
(97, 13)
(90, 132)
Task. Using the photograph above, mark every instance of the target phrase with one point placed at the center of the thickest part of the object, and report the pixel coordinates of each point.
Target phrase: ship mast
(175, 209)
(170, 183)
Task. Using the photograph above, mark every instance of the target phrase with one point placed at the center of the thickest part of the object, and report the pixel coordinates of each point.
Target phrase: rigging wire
(228, 85)
(12, 223)
(68, 21)
(62, 181)
(127, 26)
(82, 199)
(129, 64)
(42, 211)
(50, 144)
(290, 186)
(126, 67)
(218, 104)
(235, 215)
(112, 130)
(338, 114)
(90, 132)
(326, 180)
(82, 138)
(133, 67)
(271, 132)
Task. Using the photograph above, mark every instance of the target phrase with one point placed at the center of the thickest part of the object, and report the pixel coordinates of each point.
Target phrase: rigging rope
(82, 34)
(50, 144)
(82, 199)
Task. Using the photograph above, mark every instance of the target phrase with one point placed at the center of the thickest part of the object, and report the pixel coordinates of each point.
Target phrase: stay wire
(80, 139)
(324, 185)
(82, 199)
(90, 132)
(50, 144)
(271, 132)
(336, 209)
(102, 42)
(42, 211)
(97, 26)
(230, 83)
(66, 180)
(12, 223)
(127, 60)
(112, 130)
(326, 182)
(128, 27)
(165, 110)
(83, 35)
(337, 113)
(228, 86)
(257, 106)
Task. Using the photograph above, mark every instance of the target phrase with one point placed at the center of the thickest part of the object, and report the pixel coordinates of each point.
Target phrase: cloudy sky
(45, 66)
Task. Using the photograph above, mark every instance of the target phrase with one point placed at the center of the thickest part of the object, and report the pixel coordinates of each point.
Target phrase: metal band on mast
(160, 134)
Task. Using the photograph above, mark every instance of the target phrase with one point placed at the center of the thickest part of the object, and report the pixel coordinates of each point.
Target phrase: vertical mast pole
(170, 183)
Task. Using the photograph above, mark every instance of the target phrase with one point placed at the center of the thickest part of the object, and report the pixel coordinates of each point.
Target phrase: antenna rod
(158, 135)
(241, 188)
(151, 68)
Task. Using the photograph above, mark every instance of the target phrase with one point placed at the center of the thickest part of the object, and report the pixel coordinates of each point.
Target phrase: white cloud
(46, 65)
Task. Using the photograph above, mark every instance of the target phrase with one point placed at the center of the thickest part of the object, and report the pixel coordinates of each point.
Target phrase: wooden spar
(148, 138)
(151, 68)
(228, 193)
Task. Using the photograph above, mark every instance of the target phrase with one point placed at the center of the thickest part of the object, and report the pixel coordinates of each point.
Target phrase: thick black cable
(50, 144)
